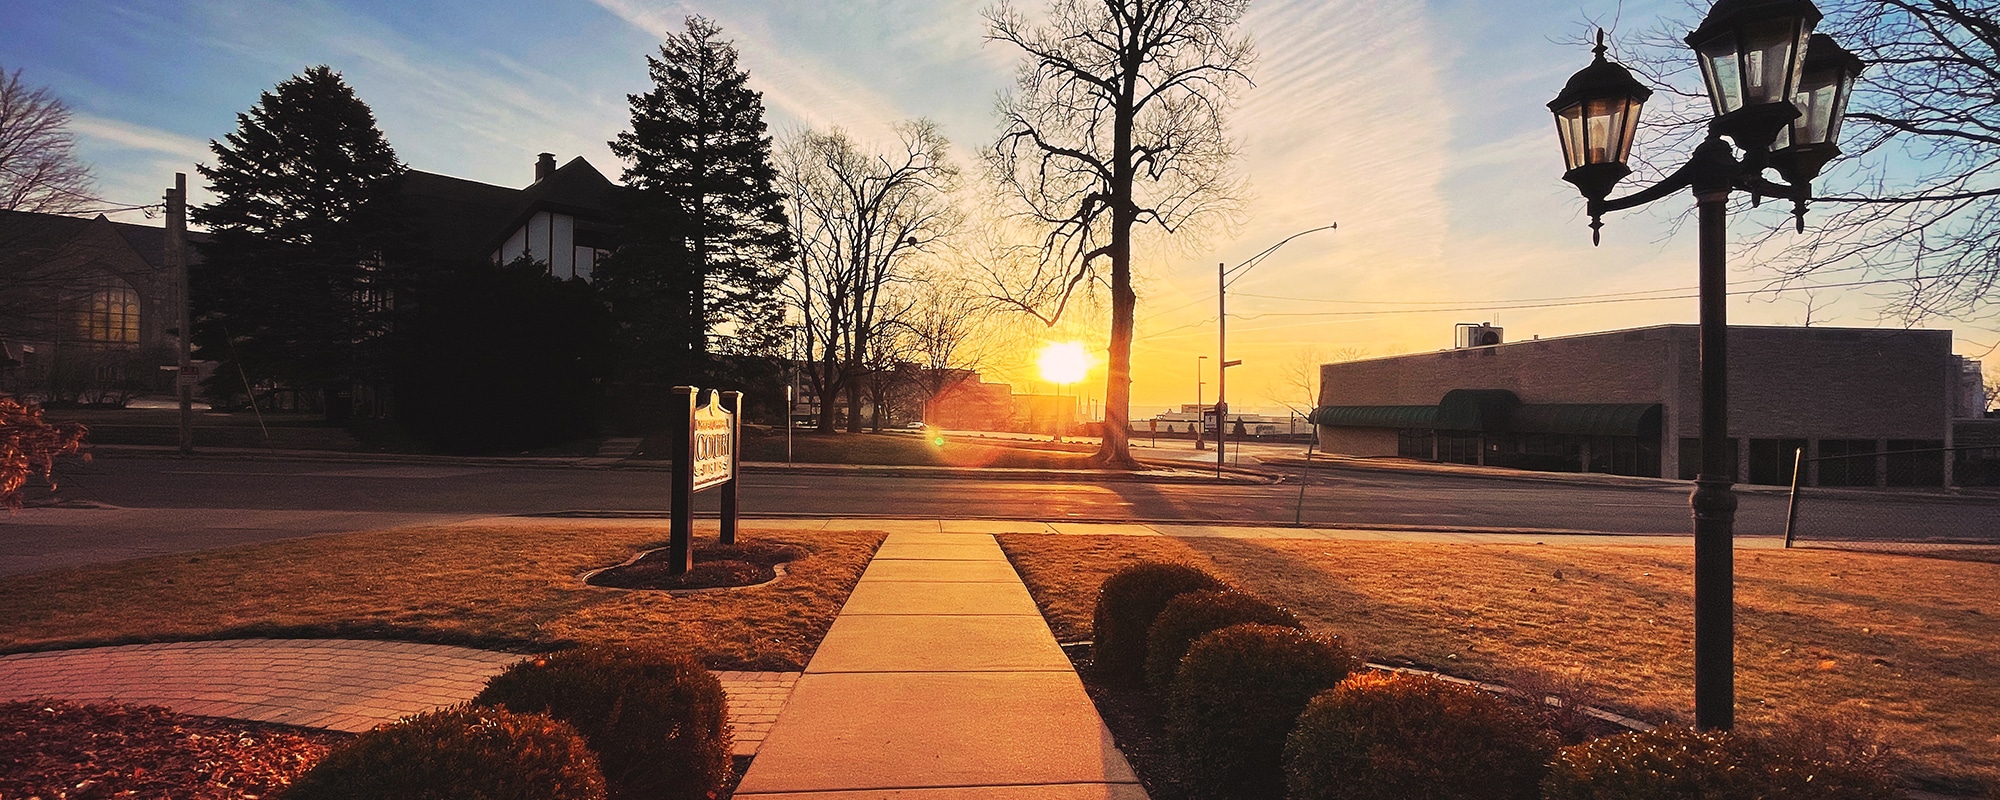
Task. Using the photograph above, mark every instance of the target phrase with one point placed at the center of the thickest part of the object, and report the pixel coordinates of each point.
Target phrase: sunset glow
(1064, 362)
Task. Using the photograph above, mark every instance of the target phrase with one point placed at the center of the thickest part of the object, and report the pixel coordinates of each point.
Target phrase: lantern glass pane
(1839, 106)
(1815, 102)
(1603, 123)
(1770, 60)
(1569, 126)
(1718, 67)
(1624, 146)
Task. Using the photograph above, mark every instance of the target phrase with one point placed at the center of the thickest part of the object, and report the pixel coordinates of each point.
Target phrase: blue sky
(1418, 126)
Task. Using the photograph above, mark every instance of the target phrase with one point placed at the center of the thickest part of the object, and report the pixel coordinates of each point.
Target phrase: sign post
(705, 456)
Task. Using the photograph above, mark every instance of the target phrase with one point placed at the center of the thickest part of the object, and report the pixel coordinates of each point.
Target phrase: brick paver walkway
(336, 684)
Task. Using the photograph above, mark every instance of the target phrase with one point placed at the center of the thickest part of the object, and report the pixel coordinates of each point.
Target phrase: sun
(1064, 362)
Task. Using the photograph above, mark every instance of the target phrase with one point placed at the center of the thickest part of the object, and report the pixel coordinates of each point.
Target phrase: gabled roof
(40, 235)
(469, 219)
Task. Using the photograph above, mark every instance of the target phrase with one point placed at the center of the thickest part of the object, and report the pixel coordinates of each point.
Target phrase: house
(88, 309)
(567, 218)
(1870, 407)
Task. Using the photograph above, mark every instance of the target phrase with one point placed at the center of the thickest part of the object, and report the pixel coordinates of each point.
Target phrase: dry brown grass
(1908, 648)
(510, 584)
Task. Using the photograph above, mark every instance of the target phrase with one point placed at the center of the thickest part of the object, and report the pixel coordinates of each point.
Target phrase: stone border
(777, 573)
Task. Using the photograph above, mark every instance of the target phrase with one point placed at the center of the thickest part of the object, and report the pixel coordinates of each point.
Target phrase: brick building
(1628, 402)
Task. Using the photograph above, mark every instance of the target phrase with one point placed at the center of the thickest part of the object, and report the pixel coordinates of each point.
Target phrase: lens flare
(1064, 362)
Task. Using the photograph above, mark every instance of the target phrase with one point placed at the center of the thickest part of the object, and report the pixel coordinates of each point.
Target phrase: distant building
(1182, 422)
(1628, 402)
(87, 308)
(567, 218)
(971, 404)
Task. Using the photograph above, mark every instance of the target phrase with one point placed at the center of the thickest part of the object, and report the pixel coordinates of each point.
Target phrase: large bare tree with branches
(1116, 120)
(858, 217)
(1917, 202)
(39, 170)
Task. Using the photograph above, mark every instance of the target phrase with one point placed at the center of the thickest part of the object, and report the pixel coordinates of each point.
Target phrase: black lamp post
(1782, 108)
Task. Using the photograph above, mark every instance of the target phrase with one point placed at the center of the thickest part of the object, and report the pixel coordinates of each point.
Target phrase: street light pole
(1199, 415)
(1779, 92)
(1222, 278)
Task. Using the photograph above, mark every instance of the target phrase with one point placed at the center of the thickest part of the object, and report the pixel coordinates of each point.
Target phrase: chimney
(545, 166)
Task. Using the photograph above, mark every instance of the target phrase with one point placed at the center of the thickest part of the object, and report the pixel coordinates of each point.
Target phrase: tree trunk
(1115, 449)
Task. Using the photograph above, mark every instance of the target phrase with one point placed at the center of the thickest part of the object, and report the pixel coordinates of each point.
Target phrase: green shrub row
(594, 723)
(1258, 708)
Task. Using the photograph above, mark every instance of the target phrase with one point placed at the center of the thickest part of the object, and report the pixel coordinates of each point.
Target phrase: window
(1847, 462)
(1414, 443)
(110, 313)
(1771, 460)
(1918, 468)
(1458, 447)
(1691, 459)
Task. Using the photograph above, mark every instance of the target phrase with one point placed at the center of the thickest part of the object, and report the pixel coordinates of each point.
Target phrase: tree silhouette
(1115, 121)
(39, 170)
(304, 253)
(707, 242)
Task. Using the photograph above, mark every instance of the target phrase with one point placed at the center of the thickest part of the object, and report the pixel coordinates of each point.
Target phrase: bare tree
(1116, 120)
(39, 170)
(1918, 199)
(947, 330)
(857, 218)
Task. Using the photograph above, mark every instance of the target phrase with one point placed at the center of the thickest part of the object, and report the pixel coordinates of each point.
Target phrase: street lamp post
(1779, 92)
(1199, 419)
(1223, 277)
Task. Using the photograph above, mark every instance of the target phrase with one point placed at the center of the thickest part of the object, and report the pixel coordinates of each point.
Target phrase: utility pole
(176, 257)
(1222, 358)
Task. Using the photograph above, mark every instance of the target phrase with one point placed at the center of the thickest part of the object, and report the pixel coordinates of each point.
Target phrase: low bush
(1126, 606)
(1191, 615)
(1675, 763)
(464, 753)
(1238, 692)
(658, 721)
(1389, 736)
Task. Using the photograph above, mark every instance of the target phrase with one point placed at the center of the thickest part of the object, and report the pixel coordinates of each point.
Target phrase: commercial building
(1857, 400)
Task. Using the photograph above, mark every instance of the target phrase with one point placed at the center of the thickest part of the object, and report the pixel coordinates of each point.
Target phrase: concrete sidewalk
(939, 679)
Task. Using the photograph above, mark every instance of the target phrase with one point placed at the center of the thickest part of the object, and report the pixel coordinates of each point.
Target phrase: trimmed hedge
(658, 720)
(1393, 736)
(1126, 606)
(1193, 614)
(1238, 693)
(1677, 763)
(463, 753)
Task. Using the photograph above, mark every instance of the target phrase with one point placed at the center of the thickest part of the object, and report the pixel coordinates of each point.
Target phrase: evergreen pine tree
(298, 272)
(707, 246)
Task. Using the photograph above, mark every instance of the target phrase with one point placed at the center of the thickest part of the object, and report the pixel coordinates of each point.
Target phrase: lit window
(110, 313)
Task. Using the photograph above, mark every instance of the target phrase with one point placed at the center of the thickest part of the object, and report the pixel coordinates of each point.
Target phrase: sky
(1420, 128)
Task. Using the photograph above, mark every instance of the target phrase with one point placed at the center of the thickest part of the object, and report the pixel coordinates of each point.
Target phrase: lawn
(506, 584)
(1908, 648)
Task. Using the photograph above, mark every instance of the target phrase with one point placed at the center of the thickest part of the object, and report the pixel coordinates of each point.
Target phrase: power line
(1519, 305)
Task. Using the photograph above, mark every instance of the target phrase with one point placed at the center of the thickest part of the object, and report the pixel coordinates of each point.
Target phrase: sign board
(714, 454)
(706, 456)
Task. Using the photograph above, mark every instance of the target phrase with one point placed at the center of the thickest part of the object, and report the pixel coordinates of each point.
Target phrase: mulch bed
(1137, 720)
(715, 566)
(65, 751)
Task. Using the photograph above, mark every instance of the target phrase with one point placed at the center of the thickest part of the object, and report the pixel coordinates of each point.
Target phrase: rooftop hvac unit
(1479, 334)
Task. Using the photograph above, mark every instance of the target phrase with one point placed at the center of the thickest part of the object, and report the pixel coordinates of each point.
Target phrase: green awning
(1376, 416)
(1589, 419)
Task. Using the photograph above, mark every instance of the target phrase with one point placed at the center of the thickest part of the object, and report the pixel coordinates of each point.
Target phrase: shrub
(1238, 693)
(1395, 736)
(1190, 615)
(1677, 763)
(1126, 606)
(459, 753)
(657, 720)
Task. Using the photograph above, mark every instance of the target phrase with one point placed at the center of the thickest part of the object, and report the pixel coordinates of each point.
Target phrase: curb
(1170, 472)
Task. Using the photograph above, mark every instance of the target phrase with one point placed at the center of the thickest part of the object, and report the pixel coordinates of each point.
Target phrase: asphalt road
(149, 505)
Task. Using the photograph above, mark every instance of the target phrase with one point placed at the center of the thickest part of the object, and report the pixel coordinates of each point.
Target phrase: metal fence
(1850, 510)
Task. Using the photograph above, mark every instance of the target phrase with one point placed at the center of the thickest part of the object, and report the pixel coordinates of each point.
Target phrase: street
(131, 507)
